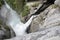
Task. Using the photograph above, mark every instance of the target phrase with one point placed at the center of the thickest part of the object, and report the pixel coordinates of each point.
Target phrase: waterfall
(12, 19)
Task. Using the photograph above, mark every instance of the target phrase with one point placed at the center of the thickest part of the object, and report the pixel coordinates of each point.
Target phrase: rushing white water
(12, 19)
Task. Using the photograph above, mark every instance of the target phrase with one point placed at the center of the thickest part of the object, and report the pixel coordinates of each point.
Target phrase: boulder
(39, 21)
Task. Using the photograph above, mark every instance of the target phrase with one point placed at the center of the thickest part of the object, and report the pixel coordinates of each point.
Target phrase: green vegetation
(26, 11)
(17, 5)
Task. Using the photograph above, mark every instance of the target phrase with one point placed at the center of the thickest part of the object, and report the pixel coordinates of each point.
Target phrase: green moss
(26, 11)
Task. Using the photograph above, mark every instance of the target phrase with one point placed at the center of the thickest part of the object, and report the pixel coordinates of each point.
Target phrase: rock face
(48, 29)
(39, 21)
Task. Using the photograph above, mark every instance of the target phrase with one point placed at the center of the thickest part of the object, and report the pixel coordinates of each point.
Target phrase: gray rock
(39, 21)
